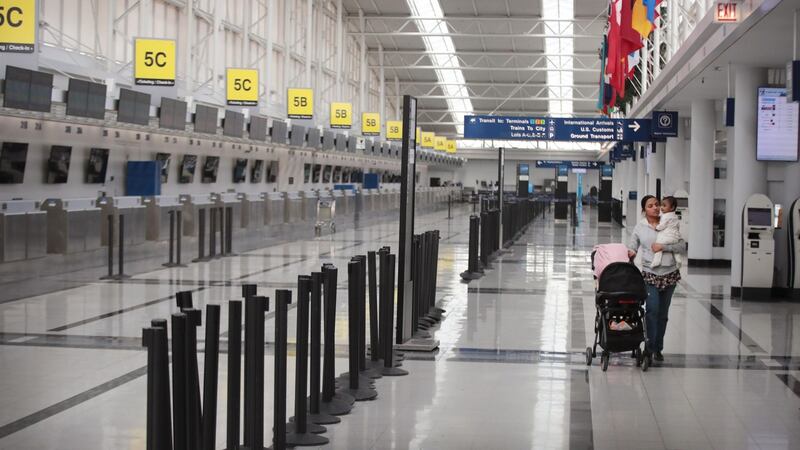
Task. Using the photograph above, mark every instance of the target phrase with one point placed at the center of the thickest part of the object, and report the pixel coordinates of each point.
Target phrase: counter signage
(341, 115)
(18, 26)
(428, 139)
(300, 103)
(440, 143)
(241, 87)
(451, 146)
(154, 62)
(394, 130)
(371, 124)
(578, 129)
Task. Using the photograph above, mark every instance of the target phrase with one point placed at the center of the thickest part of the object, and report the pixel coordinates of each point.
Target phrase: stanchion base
(420, 334)
(335, 407)
(242, 447)
(344, 379)
(419, 345)
(119, 276)
(305, 440)
(393, 372)
(311, 427)
(362, 393)
(173, 265)
(205, 259)
(321, 418)
(344, 397)
(469, 276)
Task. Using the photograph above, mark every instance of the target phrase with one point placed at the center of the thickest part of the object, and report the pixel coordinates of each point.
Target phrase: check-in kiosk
(561, 194)
(23, 230)
(252, 210)
(604, 200)
(682, 209)
(195, 211)
(158, 210)
(293, 211)
(309, 209)
(338, 196)
(758, 247)
(275, 208)
(73, 225)
(794, 250)
(132, 211)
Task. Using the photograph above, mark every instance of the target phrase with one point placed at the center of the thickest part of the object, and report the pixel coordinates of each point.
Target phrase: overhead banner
(450, 146)
(371, 124)
(18, 26)
(341, 115)
(440, 143)
(394, 130)
(428, 139)
(578, 129)
(300, 103)
(241, 87)
(154, 62)
(554, 164)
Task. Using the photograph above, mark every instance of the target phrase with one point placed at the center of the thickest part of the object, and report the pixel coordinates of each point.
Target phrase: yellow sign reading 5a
(371, 124)
(300, 103)
(341, 115)
(154, 62)
(17, 26)
(450, 146)
(242, 87)
(428, 139)
(440, 143)
(394, 130)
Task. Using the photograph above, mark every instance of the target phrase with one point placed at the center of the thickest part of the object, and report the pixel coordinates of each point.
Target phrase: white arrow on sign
(635, 126)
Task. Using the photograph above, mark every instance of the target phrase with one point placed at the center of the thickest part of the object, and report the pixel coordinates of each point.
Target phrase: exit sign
(726, 12)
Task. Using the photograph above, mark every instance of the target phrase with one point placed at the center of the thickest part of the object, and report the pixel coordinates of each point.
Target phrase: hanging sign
(726, 12)
(451, 146)
(18, 26)
(394, 130)
(341, 115)
(440, 143)
(241, 87)
(371, 124)
(428, 139)
(300, 103)
(154, 62)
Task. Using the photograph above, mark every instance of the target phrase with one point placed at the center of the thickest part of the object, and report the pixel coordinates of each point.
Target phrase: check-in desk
(275, 208)
(324, 196)
(252, 207)
(309, 209)
(195, 209)
(341, 205)
(23, 230)
(73, 225)
(157, 211)
(229, 203)
(350, 201)
(367, 200)
(293, 212)
(378, 200)
(133, 211)
(394, 195)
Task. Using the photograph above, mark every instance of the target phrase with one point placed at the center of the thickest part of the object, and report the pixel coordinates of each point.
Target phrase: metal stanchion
(315, 414)
(178, 238)
(473, 271)
(193, 402)
(171, 262)
(174, 239)
(210, 377)
(387, 262)
(229, 232)
(282, 299)
(374, 336)
(234, 373)
(179, 387)
(255, 307)
(354, 387)
(201, 235)
(332, 402)
(159, 425)
(362, 321)
(249, 290)
(121, 254)
(212, 236)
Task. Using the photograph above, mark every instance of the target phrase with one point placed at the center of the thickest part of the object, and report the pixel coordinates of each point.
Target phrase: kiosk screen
(759, 217)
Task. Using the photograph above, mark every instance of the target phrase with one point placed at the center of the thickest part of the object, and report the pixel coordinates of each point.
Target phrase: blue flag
(651, 10)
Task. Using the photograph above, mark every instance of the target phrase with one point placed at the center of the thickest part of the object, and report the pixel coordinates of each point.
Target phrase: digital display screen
(607, 170)
(233, 126)
(314, 138)
(578, 170)
(759, 217)
(307, 173)
(562, 171)
(257, 171)
(133, 107)
(278, 132)
(27, 89)
(327, 140)
(352, 143)
(12, 162)
(172, 114)
(297, 136)
(272, 172)
(777, 126)
(164, 159)
(188, 166)
(341, 142)
(326, 174)
(98, 164)
(258, 128)
(205, 119)
(210, 168)
(58, 164)
(240, 170)
(523, 169)
(86, 99)
(337, 174)
(681, 202)
(316, 174)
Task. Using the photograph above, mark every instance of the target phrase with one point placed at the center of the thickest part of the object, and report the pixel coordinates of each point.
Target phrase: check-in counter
(368, 200)
(23, 230)
(195, 209)
(350, 201)
(294, 207)
(133, 211)
(157, 210)
(378, 200)
(309, 210)
(229, 201)
(395, 197)
(275, 208)
(73, 225)
(252, 207)
(341, 206)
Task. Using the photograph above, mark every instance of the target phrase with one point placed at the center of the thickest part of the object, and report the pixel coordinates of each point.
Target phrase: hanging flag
(633, 61)
(601, 91)
(639, 18)
(651, 9)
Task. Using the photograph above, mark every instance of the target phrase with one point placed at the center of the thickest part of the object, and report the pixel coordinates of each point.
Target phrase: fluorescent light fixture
(559, 68)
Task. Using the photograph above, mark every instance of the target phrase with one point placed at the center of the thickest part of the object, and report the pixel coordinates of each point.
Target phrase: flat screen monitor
(327, 140)
(86, 99)
(172, 114)
(314, 139)
(777, 126)
(326, 174)
(188, 166)
(341, 142)
(352, 143)
(297, 137)
(205, 119)
(337, 174)
(272, 172)
(98, 165)
(681, 202)
(307, 173)
(346, 175)
(316, 174)
(256, 171)
(240, 170)
(580, 170)
(164, 159)
(258, 128)
(759, 217)
(27, 89)
(278, 132)
(210, 168)
(12, 162)
(367, 146)
(523, 169)
(133, 107)
(233, 126)
(562, 171)
(58, 164)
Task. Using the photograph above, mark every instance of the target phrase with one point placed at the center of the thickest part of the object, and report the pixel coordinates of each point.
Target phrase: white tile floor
(509, 372)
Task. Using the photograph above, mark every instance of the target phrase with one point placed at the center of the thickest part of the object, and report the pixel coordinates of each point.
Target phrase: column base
(722, 263)
(753, 294)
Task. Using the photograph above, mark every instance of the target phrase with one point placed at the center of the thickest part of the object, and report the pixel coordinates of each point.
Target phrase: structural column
(748, 176)
(674, 163)
(701, 181)
(657, 163)
(641, 171)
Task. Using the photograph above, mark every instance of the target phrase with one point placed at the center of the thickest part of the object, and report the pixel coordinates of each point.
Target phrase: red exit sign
(726, 12)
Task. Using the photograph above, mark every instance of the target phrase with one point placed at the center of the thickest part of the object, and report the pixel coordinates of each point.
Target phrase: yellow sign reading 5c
(154, 62)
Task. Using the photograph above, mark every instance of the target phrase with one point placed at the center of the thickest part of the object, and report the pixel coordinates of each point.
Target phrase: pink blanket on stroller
(605, 254)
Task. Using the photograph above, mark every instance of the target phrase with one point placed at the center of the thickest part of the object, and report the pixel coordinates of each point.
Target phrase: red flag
(630, 38)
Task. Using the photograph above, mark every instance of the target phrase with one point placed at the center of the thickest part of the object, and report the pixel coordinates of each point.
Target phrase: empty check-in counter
(367, 200)
(252, 210)
(341, 206)
(229, 210)
(294, 207)
(132, 212)
(275, 208)
(73, 225)
(309, 209)
(160, 212)
(23, 230)
(195, 212)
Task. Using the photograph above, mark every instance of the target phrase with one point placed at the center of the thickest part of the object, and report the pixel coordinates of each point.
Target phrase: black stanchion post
(193, 402)
(374, 337)
(164, 423)
(110, 243)
(249, 290)
(171, 261)
(354, 388)
(210, 377)
(234, 372)
(387, 262)
(282, 299)
(473, 271)
(255, 307)
(159, 436)
(178, 236)
(121, 255)
(229, 232)
(201, 234)
(212, 236)
(332, 402)
(315, 413)
(362, 319)
(179, 386)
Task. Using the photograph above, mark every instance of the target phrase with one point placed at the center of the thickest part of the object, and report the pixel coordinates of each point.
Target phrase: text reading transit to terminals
(556, 128)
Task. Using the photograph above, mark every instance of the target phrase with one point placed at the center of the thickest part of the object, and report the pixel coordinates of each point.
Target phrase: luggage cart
(326, 211)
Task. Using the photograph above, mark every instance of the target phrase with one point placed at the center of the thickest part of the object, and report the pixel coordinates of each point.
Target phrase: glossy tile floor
(510, 372)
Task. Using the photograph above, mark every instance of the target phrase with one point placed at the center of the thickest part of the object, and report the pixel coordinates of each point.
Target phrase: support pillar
(641, 171)
(657, 163)
(701, 181)
(674, 163)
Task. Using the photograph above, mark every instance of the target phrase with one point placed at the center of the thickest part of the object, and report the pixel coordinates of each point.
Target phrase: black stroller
(619, 299)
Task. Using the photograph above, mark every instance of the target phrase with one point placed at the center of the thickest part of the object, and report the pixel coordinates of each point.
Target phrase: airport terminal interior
(409, 224)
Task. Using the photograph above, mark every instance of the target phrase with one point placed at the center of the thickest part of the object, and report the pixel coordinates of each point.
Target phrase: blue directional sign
(578, 129)
(664, 124)
(554, 164)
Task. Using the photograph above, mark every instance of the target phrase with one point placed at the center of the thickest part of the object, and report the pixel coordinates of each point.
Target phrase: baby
(668, 230)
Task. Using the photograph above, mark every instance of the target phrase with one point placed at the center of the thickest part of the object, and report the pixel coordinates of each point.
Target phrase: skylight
(442, 53)
(559, 68)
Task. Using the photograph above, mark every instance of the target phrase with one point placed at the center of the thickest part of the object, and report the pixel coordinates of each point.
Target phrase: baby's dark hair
(671, 201)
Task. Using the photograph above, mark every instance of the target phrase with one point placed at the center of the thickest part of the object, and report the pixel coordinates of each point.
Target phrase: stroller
(619, 324)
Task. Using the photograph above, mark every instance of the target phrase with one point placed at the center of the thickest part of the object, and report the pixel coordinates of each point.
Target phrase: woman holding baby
(657, 238)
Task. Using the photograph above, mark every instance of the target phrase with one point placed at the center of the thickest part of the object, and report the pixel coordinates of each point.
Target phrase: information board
(394, 130)
(440, 143)
(777, 126)
(557, 128)
(428, 139)
(553, 164)
(450, 146)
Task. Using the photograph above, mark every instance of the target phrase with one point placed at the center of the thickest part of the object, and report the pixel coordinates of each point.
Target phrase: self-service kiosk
(682, 210)
(604, 200)
(561, 194)
(523, 180)
(758, 247)
(794, 250)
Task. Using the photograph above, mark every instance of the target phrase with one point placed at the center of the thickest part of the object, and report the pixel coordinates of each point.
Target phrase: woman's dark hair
(645, 199)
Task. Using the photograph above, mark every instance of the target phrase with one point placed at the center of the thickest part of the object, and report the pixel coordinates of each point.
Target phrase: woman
(660, 280)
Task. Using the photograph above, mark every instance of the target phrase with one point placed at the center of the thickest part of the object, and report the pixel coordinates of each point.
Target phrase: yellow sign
(370, 124)
(440, 143)
(242, 87)
(154, 62)
(341, 115)
(300, 103)
(394, 130)
(451, 146)
(17, 26)
(417, 136)
(428, 139)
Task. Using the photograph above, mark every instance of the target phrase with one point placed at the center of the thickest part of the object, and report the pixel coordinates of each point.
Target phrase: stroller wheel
(588, 356)
(604, 357)
(646, 360)
(638, 355)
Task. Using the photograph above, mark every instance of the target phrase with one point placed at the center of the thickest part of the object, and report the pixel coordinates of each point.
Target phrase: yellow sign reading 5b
(241, 87)
(154, 62)
(341, 115)
(394, 130)
(300, 103)
(370, 124)
(17, 26)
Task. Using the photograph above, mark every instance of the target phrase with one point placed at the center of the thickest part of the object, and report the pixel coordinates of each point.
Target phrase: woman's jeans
(656, 315)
